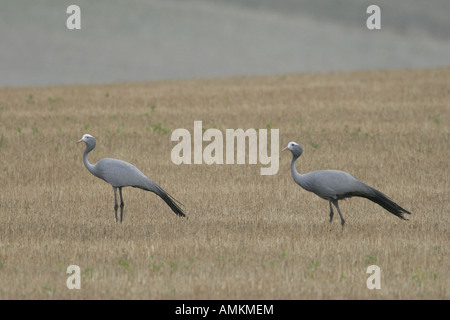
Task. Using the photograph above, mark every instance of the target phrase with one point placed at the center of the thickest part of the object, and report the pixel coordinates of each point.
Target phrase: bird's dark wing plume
(380, 199)
(173, 203)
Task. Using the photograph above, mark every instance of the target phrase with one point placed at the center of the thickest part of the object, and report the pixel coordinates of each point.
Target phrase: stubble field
(247, 236)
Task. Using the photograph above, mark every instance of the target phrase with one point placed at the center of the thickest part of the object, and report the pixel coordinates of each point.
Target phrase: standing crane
(121, 174)
(335, 185)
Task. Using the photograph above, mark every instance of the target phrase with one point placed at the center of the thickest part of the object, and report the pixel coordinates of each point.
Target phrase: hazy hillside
(155, 39)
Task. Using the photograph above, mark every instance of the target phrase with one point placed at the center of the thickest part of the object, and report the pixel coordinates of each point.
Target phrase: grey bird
(121, 174)
(334, 185)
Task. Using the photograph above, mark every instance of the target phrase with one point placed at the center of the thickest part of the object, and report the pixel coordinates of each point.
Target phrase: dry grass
(248, 236)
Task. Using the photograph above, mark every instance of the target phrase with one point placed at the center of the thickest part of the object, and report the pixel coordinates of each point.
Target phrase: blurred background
(141, 40)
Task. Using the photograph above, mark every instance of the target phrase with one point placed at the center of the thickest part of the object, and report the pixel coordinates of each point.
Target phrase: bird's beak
(81, 140)
(287, 148)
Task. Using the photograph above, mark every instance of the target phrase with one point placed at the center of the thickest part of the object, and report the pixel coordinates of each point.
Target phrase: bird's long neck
(295, 175)
(88, 165)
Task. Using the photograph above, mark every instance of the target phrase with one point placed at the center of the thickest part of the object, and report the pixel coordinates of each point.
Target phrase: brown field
(248, 236)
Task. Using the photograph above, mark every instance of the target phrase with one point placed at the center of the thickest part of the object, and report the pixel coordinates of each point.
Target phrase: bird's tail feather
(382, 200)
(173, 203)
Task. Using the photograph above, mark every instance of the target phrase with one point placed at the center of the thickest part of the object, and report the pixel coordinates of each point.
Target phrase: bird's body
(121, 174)
(334, 185)
(330, 184)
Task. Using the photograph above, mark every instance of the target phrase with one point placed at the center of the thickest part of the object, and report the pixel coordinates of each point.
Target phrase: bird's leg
(331, 212)
(115, 202)
(121, 204)
(335, 202)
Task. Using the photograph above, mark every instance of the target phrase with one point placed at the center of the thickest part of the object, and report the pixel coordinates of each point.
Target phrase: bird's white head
(88, 139)
(294, 148)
